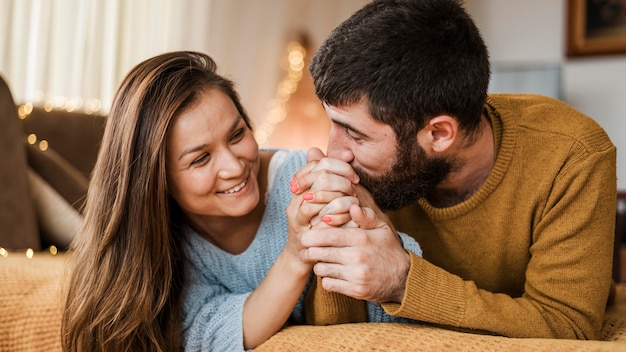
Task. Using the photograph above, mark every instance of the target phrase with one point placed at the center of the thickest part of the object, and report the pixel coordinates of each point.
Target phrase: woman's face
(212, 159)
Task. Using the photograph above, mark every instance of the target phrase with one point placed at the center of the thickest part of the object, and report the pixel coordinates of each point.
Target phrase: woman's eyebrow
(191, 150)
(202, 146)
(235, 123)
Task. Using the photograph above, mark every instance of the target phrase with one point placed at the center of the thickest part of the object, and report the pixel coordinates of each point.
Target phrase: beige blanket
(30, 311)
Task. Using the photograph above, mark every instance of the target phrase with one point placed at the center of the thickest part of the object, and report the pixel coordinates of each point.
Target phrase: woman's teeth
(236, 188)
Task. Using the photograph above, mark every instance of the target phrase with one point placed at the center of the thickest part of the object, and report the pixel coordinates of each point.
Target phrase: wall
(67, 52)
(533, 32)
(248, 39)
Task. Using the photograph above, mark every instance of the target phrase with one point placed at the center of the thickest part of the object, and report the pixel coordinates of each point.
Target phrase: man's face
(395, 172)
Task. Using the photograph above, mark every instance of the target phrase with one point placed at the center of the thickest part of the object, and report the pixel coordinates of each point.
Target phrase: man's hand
(366, 263)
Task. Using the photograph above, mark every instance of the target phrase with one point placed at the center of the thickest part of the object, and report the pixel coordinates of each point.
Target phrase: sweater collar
(504, 144)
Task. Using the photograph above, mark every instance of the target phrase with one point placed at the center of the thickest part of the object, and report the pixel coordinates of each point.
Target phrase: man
(511, 197)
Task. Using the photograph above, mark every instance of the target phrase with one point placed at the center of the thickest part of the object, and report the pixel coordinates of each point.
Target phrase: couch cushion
(58, 221)
(30, 302)
(18, 222)
(76, 136)
(59, 174)
(31, 305)
(415, 337)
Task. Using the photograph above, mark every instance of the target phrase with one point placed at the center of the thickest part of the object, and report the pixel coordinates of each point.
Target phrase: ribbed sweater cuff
(431, 294)
(329, 308)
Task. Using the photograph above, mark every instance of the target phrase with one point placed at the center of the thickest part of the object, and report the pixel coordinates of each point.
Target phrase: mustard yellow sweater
(530, 253)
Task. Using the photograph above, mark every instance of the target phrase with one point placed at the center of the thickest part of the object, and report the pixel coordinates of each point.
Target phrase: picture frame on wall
(596, 27)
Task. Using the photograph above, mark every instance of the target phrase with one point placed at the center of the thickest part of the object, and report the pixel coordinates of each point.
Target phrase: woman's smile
(237, 188)
(213, 160)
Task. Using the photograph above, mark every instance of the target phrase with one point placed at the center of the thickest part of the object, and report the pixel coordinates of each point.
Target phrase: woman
(178, 249)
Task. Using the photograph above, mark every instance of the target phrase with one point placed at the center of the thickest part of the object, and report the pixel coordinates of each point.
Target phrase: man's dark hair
(410, 60)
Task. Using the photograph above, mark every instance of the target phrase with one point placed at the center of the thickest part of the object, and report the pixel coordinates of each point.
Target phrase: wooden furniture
(620, 237)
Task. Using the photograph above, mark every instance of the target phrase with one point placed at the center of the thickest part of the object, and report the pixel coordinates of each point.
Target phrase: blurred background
(72, 54)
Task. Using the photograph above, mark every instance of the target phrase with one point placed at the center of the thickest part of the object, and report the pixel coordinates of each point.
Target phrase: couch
(30, 311)
(47, 158)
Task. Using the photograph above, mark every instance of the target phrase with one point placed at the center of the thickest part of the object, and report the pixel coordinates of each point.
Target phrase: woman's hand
(323, 174)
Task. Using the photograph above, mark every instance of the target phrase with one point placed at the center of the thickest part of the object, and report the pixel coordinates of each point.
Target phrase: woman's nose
(229, 165)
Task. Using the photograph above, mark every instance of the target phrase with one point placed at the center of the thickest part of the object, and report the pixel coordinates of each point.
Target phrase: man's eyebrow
(348, 127)
(202, 146)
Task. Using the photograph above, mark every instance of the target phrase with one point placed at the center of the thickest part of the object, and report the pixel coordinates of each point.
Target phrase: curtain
(74, 53)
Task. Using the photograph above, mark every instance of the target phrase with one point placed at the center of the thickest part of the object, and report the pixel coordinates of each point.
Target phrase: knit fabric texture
(530, 253)
(219, 282)
(423, 338)
(31, 304)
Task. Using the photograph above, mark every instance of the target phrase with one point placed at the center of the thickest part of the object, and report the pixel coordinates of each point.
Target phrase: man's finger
(343, 287)
(323, 269)
(342, 219)
(365, 217)
(324, 254)
(330, 237)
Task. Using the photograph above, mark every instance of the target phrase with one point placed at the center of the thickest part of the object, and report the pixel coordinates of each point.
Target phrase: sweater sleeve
(213, 317)
(217, 284)
(410, 244)
(568, 276)
(326, 308)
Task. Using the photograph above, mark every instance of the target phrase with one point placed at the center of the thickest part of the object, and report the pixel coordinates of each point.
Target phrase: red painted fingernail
(327, 218)
(307, 196)
(294, 188)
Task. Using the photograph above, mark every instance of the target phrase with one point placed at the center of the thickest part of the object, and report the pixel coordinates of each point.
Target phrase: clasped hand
(338, 228)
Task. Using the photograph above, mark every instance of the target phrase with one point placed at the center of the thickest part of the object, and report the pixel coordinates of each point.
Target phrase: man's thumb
(365, 217)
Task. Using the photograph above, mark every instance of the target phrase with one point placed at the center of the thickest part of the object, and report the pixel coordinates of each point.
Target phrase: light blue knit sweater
(218, 283)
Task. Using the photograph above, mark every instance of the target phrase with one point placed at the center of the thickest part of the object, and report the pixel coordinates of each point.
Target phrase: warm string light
(276, 108)
(24, 110)
(29, 253)
(69, 105)
(32, 139)
(91, 106)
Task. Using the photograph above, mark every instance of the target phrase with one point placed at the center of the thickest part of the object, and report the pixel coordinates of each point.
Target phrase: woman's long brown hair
(126, 266)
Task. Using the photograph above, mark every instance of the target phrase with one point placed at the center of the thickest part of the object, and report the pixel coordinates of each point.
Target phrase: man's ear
(439, 134)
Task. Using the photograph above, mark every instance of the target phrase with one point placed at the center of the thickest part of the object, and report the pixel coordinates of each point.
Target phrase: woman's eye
(204, 157)
(238, 135)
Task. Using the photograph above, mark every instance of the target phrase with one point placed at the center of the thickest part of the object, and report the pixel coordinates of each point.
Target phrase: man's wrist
(398, 295)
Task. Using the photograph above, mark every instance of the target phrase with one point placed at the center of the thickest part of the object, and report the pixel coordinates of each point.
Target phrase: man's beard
(414, 175)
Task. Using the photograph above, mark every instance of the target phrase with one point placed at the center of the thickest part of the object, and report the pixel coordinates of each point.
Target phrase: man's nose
(338, 146)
